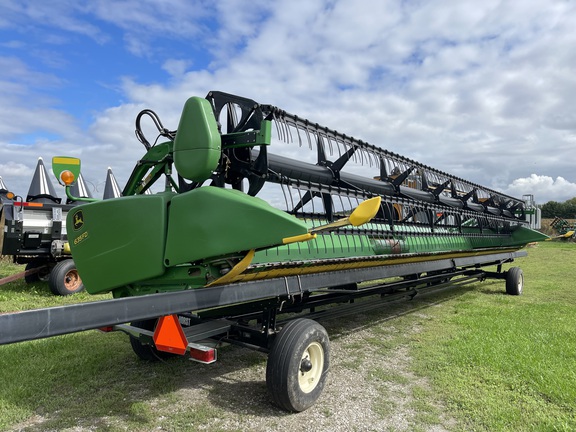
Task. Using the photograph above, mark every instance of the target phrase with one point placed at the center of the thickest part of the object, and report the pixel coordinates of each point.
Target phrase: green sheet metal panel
(211, 222)
(197, 142)
(118, 241)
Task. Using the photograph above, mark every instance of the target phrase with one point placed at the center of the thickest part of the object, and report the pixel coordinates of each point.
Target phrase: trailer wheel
(298, 365)
(64, 278)
(514, 281)
(41, 276)
(145, 351)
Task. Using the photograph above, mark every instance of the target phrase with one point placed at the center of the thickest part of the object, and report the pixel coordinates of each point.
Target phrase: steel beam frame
(43, 323)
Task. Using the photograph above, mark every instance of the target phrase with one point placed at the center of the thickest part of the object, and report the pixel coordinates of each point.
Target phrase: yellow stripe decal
(66, 160)
(337, 266)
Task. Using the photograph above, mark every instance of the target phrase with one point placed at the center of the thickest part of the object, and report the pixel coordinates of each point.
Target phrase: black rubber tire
(64, 278)
(299, 341)
(144, 351)
(514, 281)
(41, 276)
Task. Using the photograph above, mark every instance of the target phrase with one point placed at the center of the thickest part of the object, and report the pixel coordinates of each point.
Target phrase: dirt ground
(369, 388)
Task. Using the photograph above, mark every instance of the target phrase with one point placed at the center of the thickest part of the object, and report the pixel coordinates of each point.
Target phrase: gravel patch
(356, 398)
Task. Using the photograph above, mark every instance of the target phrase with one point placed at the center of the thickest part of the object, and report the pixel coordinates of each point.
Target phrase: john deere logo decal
(78, 220)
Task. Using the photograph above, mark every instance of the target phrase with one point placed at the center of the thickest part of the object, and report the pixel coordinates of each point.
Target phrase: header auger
(241, 235)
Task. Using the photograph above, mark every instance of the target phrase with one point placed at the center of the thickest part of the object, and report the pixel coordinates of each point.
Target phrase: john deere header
(234, 207)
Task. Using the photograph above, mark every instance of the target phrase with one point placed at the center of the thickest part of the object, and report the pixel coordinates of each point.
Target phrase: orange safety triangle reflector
(169, 335)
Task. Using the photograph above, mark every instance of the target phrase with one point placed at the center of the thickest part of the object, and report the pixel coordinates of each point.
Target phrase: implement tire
(64, 278)
(514, 281)
(298, 365)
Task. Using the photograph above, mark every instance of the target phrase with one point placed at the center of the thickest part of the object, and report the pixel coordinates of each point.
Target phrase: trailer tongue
(200, 261)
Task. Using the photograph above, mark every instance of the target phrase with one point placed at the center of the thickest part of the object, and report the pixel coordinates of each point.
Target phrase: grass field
(471, 358)
(509, 363)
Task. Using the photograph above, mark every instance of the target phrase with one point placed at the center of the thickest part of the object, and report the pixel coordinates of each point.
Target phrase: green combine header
(238, 237)
(198, 230)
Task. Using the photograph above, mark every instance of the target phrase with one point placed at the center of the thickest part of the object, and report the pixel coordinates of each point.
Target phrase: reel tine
(334, 143)
(280, 127)
(337, 144)
(285, 131)
(339, 148)
(371, 158)
(279, 133)
(289, 132)
(308, 137)
(307, 132)
(283, 188)
(298, 135)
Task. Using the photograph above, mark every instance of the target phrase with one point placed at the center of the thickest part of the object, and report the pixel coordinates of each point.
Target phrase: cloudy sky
(485, 90)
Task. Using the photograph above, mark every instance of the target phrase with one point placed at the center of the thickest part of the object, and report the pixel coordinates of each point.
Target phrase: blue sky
(483, 90)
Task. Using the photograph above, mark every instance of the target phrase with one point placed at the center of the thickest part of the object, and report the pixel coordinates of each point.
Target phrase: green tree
(565, 210)
(570, 209)
(551, 209)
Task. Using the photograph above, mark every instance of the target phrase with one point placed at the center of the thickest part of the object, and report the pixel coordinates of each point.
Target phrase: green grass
(485, 362)
(19, 296)
(500, 362)
(492, 362)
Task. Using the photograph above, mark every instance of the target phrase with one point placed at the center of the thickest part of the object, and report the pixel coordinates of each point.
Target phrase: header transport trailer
(244, 245)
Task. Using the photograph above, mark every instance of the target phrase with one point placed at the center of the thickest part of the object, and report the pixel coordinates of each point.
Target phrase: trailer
(33, 230)
(216, 257)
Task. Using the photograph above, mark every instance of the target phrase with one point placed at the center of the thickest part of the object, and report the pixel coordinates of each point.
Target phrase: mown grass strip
(500, 362)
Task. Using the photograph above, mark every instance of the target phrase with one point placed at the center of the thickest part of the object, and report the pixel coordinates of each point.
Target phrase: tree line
(565, 210)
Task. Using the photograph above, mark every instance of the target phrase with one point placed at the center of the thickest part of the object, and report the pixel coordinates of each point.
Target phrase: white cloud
(480, 89)
(176, 67)
(15, 169)
(66, 15)
(558, 189)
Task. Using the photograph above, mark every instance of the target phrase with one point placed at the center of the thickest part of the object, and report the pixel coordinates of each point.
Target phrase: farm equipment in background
(33, 231)
(532, 213)
(564, 228)
(241, 239)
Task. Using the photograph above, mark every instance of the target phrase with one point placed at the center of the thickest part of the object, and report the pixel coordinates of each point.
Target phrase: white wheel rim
(308, 380)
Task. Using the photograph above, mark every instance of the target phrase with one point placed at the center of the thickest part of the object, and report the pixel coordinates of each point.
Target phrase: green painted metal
(112, 246)
(65, 163)
(191, 235)
(521, 236)
(209, 222)
(562, 226)
(153, 164)
(356, 243)
(197, 143)
(263, 136)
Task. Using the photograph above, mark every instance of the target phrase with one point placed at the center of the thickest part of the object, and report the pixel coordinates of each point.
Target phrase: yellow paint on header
(365, 211)
(236, 270)
(298, 238)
